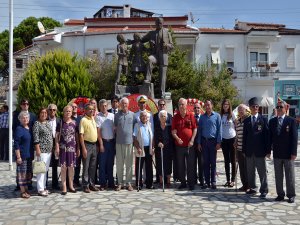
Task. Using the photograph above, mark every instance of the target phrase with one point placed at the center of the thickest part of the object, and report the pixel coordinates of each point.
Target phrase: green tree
(28, 28)
(56, 77)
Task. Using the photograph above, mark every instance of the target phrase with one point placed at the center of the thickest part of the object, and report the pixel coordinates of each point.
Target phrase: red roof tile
(73, 22)
(221, 30)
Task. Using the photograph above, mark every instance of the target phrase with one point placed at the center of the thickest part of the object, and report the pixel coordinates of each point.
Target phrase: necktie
(279, 125)
(253, 120)
(197, 118)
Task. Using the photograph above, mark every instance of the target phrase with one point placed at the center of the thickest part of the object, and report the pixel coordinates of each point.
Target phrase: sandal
(118, 188)
(25, 195)
(231, 184)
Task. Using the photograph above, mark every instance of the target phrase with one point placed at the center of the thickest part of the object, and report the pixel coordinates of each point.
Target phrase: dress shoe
(213, 186)
(63, 193)
(291, 200)
(279, 198)
(263, 195)
(251, 192)
(191, 187)
(204, 186)
(93, 188)
(86, 190)
(182, 186)
(242, 188)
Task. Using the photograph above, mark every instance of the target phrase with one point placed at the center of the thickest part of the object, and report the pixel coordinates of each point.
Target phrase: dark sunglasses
(196, 107)
(279, 107)
(162, 104)
(255, 106)
(52, 109)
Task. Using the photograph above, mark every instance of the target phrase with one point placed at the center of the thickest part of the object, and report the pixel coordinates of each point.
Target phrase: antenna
(41, 27)
(192, 18)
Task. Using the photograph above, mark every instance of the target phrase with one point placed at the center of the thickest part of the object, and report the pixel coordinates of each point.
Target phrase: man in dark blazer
(114, 105)
(256, 148)
(284, 143)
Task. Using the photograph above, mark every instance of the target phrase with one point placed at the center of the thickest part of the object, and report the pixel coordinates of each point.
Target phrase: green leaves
(56, 77)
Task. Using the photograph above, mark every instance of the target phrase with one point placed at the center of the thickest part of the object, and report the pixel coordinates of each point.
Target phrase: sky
(209, 13)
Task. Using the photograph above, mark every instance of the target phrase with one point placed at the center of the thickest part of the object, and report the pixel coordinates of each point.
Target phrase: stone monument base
(146, 88)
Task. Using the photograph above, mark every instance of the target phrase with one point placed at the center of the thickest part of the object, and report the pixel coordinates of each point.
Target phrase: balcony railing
(265, 75)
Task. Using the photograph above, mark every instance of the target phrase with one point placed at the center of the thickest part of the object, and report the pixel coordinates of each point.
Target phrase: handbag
(39, 167)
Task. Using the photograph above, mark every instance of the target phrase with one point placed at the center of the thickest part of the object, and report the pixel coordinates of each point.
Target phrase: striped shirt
(239, 134)
(4, 120)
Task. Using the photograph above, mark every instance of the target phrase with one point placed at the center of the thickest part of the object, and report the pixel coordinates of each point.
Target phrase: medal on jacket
(287, 128)
(259, 127)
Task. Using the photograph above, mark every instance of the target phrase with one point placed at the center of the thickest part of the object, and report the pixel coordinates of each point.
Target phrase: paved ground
(221, 206)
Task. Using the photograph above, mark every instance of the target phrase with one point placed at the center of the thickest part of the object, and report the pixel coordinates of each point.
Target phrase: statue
(161, 44)
(122, 53)
(136, 56)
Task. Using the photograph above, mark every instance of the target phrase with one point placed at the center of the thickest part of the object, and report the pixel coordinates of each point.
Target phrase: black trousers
(54, 164)
(186, 164)
(198, 162)
(229, 158)
(148, 166)
(241, 158)
(4, 144)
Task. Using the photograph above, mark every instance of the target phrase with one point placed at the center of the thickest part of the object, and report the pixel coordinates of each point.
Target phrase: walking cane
(139, 174)
(162, 168)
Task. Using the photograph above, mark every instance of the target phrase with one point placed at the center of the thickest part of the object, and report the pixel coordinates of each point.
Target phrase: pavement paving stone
(223, 206)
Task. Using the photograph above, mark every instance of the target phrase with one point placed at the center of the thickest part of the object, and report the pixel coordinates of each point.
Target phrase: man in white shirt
(142, 103)
(106, 139)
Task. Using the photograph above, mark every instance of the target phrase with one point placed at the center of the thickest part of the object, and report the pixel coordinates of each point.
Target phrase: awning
(267, 101)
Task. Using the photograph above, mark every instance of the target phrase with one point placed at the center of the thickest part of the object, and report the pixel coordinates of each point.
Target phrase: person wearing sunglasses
(256, 148)
(284, 143)
(53, 121)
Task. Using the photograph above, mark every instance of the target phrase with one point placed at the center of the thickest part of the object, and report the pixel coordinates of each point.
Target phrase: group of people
(185, 145)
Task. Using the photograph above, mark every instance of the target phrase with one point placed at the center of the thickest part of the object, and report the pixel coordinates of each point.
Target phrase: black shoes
(291, 200)
(263, 195)
(213, 186)
(182, 186)
(279, 198)
(251, 192)
(63, 193)
(191, 187)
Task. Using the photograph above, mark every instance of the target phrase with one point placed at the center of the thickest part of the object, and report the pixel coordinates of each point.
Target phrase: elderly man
(198, 155)
(184, 130)
(284, 142)
(106, 139)
(256, 148)
(142, 103)
(242, 112)
(53, 121)
(143, 143)
(88, 138)
(161, 44)
(209, 141)
(4, 133)
(123, 124)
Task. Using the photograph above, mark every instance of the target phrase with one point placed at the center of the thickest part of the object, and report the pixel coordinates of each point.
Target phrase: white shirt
(106, 125)
(52, 122)
(228, 129)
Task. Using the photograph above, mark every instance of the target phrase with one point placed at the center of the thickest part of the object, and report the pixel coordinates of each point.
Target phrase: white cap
(142, 98)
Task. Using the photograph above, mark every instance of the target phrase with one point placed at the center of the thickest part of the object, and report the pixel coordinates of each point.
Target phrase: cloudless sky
(209, 13)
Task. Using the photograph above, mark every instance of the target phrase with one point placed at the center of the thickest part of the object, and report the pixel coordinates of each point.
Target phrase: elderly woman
(163, 140)
(143, 143)
(67, 147)
(22, 146)
(43, 143)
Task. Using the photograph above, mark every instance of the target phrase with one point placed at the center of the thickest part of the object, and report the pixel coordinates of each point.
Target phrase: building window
(215, 56)
(92, 53)
(290, 60)
(258, 59)
(19, 63)
(109, 54)
(230, 57)
(264, 111)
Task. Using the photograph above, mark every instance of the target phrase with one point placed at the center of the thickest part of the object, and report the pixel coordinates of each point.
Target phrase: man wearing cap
(256, 148)
(124, 122)
(88, 137)
(284, 143)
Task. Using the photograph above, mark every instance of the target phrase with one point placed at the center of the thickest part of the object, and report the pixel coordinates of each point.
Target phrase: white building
(262, 58)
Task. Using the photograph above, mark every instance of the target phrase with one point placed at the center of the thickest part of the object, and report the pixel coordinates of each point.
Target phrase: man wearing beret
(256, 148)
(284, 142)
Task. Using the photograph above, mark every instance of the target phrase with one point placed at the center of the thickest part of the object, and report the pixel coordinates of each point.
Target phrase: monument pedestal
(146, 88)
